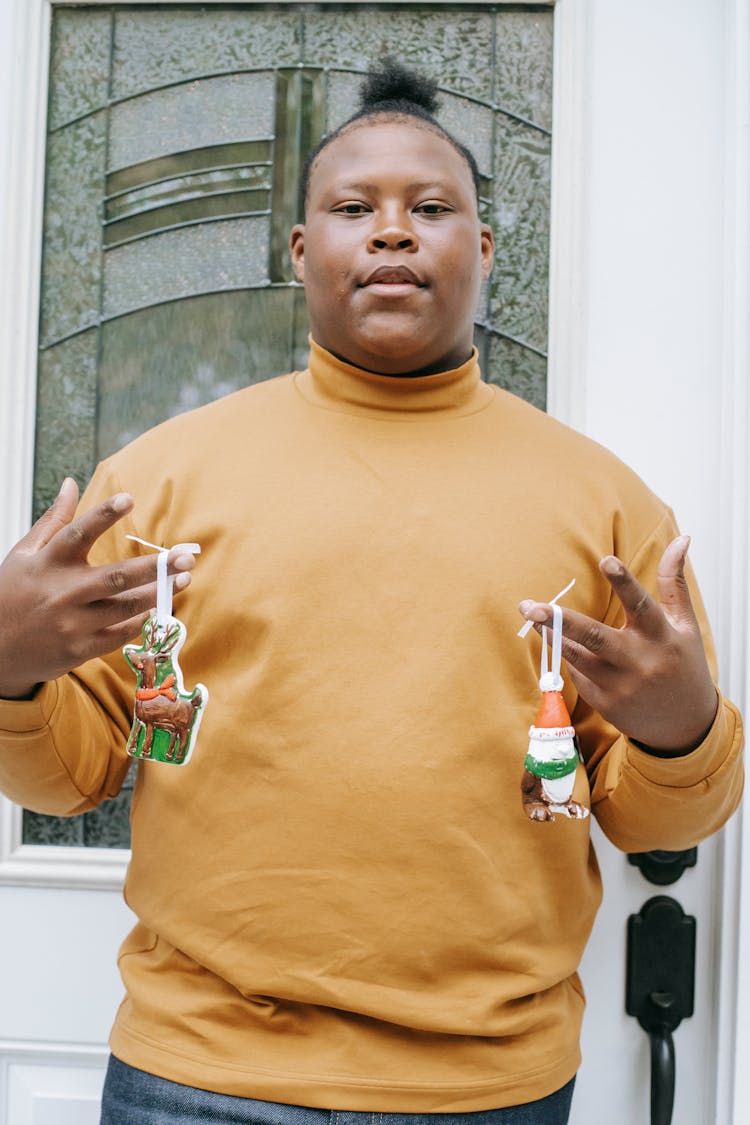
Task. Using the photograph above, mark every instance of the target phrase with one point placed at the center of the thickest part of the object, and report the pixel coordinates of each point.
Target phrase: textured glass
(61, 832)
(455, 44)
(342, 97)
(66, 416)
(176, 317)
(471, 124)
(523, 64)
(109, 825)
(237, 107)
(220, 204)
(183, 188)
(225, 254)
(158, 46)
(518, 370)
(174, 357)
(299, 124)
(175, 164)
(79, 64)
(520, 219)
(72, 228)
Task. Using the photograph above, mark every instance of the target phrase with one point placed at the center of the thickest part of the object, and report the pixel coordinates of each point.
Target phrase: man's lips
(393, 275)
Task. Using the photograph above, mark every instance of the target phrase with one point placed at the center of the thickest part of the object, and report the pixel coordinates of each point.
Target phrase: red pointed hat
(553, 714)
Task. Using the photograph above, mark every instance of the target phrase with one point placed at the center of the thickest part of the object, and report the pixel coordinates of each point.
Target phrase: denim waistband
(133, 1097)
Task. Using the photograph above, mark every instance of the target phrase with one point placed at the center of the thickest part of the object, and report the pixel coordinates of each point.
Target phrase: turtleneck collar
(332, 384)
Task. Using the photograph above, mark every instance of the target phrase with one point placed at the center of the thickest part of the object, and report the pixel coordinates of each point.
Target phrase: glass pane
(226, 254)
(73, 228)
(455, 44)
(516, 368)
(79, 64)
(171, 127)
(66, 416)
(158, 46)
(520, 219)
(523, 67)
(176, 356)
(237, 107)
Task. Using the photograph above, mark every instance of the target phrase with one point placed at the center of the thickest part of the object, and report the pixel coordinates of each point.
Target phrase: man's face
(392, 253)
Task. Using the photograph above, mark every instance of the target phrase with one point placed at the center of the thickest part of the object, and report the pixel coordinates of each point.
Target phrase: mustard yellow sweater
(341, 901)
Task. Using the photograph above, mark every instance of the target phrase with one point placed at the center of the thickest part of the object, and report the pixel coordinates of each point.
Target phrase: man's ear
(488, 249)
(297, 251)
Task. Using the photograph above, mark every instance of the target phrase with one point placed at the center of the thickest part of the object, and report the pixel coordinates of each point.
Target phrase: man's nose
(394, 233)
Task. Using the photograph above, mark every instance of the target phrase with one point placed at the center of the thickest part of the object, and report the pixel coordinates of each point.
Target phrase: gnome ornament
(552, 758)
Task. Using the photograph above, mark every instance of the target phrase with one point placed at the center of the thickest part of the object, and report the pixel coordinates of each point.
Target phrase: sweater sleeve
(643, 801)
(63, 752)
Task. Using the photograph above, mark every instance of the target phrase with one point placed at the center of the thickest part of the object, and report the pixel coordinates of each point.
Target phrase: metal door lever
(659, 988)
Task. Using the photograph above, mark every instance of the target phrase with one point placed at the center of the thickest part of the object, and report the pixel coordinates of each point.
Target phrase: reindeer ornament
(166, 717)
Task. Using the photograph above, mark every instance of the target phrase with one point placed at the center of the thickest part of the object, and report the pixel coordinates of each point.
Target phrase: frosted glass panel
(523, 71)
(456, 45)
(177, 134)
(157, 46)
(66, 415)
(73, 228)
(79, 64)
(179, 263)
(520, 218)
(161, 361)
(472, 125)
(517, 369)
(234, 108)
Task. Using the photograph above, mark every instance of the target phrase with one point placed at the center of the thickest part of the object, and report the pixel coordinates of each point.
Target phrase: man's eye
(351, 209)
(431, 208)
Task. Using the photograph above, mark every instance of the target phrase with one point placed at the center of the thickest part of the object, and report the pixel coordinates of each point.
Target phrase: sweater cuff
(690, 769)
(21, 716)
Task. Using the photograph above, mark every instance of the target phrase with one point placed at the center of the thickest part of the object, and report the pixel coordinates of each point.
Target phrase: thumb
(57, 516)
(674, 594)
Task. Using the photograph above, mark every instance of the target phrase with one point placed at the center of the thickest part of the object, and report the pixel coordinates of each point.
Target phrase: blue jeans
(132, 1097)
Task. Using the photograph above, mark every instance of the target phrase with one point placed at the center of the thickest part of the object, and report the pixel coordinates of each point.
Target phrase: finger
(58, 515)
(674, 593)
(594, 636)
(115, 636)
(587, 645)
(130, 604)
(129, 574)
(642, 612)
(78, 536)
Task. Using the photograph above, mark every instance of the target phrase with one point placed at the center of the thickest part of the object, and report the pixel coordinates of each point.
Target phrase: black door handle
(662, 1076)
(659, 988)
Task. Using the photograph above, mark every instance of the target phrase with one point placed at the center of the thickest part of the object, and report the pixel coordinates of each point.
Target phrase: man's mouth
(396, 276)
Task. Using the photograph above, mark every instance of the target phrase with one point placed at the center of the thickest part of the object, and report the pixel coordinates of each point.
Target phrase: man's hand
(57, 610)
(650, 678)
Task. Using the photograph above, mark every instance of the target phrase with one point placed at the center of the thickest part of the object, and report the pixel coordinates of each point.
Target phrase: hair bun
(391, 83)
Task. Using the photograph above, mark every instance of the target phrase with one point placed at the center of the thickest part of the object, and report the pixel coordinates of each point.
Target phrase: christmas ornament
(166, 717)
(552, 758)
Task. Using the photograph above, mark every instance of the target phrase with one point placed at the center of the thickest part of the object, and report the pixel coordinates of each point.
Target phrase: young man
(342, 904)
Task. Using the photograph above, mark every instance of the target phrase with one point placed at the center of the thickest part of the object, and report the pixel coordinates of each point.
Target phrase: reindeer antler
(170, 639)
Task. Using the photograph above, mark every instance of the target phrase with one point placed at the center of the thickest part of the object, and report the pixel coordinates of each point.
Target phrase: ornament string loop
(165, 582)
(550, 679)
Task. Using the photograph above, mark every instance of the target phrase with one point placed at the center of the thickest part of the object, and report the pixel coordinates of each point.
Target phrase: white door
(644, 297)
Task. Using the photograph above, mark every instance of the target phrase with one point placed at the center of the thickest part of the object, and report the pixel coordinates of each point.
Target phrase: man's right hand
(57, 610)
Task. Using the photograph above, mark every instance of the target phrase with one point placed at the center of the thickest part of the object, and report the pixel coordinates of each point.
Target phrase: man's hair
(391, 92)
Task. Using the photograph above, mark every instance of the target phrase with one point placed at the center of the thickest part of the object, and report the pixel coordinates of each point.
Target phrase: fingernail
(121, 502)
(612, 566)
(533, 611)
(181, 581)
(183, 562)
